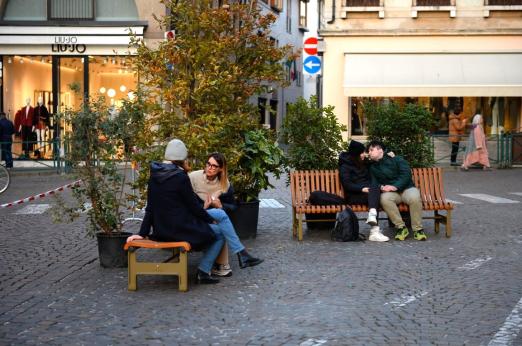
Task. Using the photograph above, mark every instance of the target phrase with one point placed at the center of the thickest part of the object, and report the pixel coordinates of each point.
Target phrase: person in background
(6, 139)
(355, 179)
(393, 175)
(476, 150)
(215, 192)
(457, 125)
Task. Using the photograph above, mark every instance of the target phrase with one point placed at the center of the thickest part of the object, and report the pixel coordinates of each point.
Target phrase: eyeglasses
(211, 165)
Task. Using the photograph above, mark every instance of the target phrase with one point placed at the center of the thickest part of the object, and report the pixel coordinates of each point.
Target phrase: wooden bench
(427, 180)
(175, 265)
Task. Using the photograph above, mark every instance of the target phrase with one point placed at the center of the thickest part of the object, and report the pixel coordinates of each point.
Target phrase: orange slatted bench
(177, 264)
(427, 180)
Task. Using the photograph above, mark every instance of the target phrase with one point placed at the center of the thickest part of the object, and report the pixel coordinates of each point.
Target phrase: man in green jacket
(393, 175)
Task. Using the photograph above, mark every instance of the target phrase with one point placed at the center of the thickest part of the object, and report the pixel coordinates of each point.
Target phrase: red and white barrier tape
(42, 195)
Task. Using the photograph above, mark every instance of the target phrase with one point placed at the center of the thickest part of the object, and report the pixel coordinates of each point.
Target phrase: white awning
(434, 74)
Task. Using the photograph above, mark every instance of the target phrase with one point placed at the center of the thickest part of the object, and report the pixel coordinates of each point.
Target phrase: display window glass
(112, 78)
(500, 114)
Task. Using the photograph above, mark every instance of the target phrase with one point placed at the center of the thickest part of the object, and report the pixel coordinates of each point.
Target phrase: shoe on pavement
(245, 260)
(402, 233)
(372, 218)
(222, 270)
(420, 235)
(376, 235)
(205, 278)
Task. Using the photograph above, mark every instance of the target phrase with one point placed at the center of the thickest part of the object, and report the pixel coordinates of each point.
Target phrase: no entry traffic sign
(310, 46)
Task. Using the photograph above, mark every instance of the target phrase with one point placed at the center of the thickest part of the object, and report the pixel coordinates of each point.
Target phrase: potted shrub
(96, 151)
(260, 155)
(314, 139)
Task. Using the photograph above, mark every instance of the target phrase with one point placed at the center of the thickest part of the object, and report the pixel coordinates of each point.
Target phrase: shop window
(112, 78)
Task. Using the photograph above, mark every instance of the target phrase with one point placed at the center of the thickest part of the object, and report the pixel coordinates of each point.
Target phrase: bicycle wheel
(4, 179)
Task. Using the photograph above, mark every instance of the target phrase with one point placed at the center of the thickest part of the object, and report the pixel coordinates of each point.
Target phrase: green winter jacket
(392, 171)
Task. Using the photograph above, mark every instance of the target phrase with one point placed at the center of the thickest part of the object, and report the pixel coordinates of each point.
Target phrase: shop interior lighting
(105, 60)
(111, 92)
(113, 61)
(123, 88)
(131, 95)
(102, 90)
(9, 61)
(42, 59)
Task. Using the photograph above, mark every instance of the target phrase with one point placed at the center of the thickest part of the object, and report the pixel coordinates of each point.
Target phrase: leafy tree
(198, 86)
(313, 135)
(403, 129)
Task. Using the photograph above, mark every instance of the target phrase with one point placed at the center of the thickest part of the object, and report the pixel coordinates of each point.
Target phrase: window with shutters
(70, 9)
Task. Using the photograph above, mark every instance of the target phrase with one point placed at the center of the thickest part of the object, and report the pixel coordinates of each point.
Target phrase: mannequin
(41, 123)
(26, 127)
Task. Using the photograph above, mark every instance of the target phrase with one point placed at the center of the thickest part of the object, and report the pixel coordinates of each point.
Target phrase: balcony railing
(362, 3)
(504, 2)
(433, 3)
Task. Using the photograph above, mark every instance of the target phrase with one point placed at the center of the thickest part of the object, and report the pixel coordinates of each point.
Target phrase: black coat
(6, 130)
(354, 177)
(173, 209)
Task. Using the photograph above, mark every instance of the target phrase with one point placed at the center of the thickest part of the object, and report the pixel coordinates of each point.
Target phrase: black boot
(205, 278)
(245, 260)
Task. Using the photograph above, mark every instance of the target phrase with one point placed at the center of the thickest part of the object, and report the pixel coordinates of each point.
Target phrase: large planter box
(245, 218)
(110, 249)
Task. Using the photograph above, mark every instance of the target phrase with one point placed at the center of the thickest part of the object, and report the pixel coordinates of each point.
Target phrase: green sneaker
(402, 233)
(420, 235)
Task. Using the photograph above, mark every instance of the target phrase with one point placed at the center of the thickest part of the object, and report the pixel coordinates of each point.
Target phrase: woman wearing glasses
(213, 188)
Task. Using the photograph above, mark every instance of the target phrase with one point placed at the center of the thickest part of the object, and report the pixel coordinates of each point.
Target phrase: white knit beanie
(175, 151)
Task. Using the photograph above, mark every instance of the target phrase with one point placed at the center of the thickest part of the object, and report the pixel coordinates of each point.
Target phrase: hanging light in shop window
(111, 92)
(131, 95)
(105, 60)
(123, 88)
(42, 59)
(102, 90)
(21, 60)
(9, 60)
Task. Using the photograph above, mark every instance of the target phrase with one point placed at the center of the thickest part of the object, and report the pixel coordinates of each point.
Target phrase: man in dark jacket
(393, 175)
(358, 189)
(6, 139)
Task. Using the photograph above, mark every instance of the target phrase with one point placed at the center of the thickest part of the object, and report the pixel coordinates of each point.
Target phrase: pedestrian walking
(476, 150)
(6, 139)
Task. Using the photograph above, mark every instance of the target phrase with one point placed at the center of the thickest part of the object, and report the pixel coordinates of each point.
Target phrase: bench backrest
(427, 180)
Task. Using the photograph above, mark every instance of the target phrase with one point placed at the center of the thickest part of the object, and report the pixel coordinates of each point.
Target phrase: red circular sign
(310, 46)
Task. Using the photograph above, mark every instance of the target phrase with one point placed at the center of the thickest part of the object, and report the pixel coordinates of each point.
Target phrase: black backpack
(346, 227)
(324, 198)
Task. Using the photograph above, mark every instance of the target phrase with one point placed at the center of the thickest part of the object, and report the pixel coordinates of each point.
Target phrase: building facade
(57, 53)
(445, 54)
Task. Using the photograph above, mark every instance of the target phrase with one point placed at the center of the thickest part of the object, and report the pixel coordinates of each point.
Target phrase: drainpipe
(333, 13)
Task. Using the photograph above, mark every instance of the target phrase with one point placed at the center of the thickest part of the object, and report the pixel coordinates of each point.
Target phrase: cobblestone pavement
(465, 290)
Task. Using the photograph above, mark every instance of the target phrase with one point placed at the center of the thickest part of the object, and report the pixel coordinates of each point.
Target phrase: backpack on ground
(346, 227)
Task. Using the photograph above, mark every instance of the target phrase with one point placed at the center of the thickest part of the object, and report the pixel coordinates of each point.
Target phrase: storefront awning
(434, 74)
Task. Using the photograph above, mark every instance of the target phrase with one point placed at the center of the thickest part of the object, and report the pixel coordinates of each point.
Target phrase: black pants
(454, 151)
(7, 156)
(27, 144)
(372, 198)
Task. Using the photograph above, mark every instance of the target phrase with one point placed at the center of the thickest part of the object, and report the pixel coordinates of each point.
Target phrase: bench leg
(183, 271)
(437, 221)
(133, 285)
(294, 223)
(448, 224)
(300, 227)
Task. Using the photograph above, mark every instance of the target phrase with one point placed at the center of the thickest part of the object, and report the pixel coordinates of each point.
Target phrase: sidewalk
(460, 290)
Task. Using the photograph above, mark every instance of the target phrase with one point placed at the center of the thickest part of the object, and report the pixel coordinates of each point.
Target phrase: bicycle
(5, 178)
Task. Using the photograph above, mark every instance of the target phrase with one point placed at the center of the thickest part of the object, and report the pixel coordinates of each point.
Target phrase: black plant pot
(245, 218)
(320, 224)
(110, 249)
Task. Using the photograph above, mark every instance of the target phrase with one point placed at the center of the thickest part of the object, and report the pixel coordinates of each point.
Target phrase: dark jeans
(7, 155)
(372, 198)
(454, 151)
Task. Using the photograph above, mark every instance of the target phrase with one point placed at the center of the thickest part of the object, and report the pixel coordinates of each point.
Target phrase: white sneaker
(372, 218)
(376, 235)
(222, 270)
